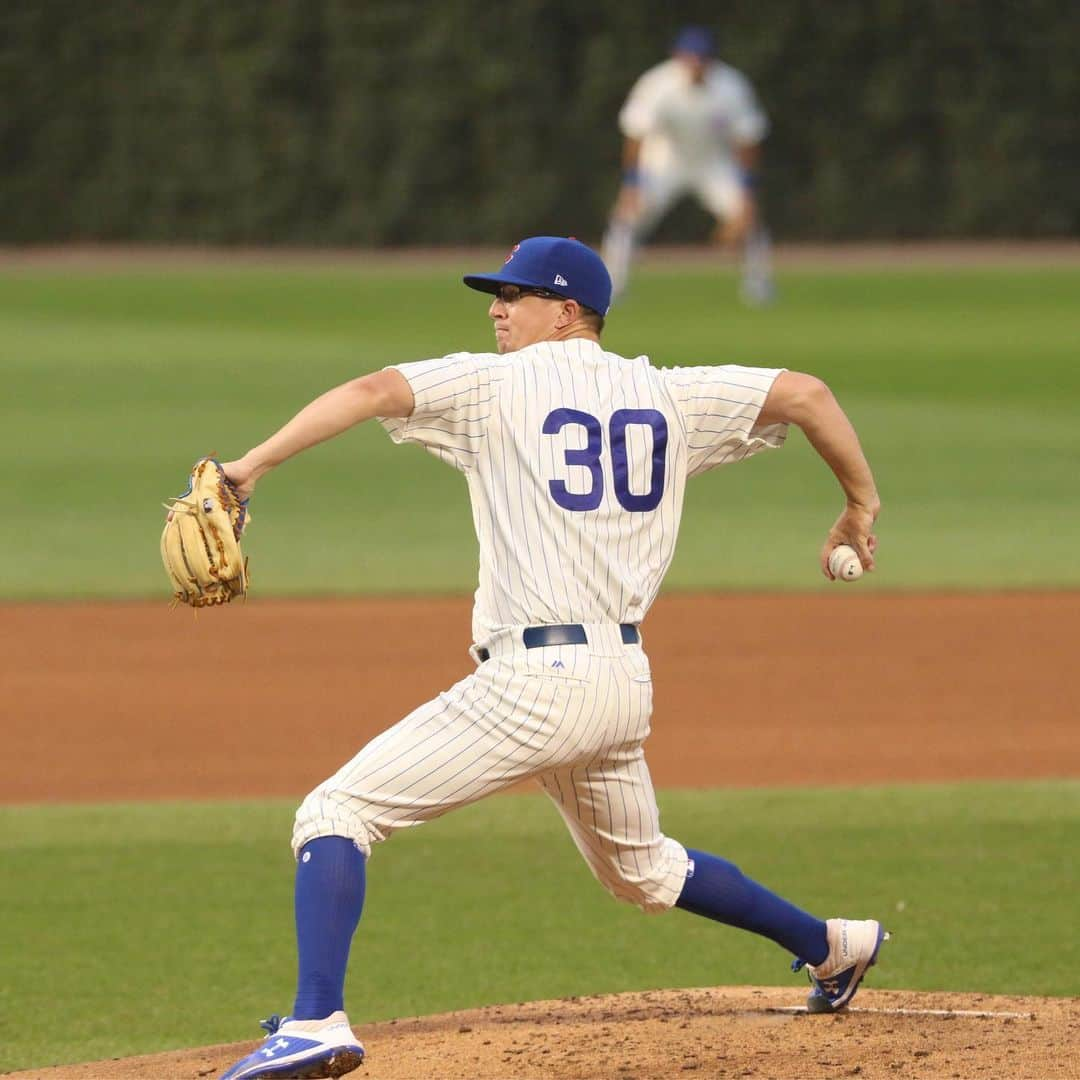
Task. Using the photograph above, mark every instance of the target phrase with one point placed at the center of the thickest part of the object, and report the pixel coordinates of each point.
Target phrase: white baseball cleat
(301, 1050)
(853, 950)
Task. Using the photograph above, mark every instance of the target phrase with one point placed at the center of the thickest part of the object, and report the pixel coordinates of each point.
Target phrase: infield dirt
(941, 686)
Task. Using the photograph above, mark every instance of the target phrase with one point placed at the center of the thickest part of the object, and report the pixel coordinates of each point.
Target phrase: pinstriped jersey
(576, 461)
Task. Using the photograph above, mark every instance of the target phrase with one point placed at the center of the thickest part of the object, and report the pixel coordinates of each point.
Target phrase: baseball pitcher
(692, 125)
(576, 461)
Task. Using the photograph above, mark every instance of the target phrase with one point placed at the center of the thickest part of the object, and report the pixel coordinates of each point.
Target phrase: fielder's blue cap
(560, 264)
(697, 40)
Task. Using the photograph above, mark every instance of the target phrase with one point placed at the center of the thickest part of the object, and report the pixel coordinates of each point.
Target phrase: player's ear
(568, 313)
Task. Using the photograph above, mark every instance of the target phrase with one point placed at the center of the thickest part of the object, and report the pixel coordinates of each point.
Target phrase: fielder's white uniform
(576, 461)
(688, 132)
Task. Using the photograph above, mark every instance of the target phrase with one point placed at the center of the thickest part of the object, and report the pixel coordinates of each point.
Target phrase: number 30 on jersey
(590, 456)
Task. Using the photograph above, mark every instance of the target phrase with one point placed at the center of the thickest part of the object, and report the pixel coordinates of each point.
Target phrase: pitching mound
(718, 1032)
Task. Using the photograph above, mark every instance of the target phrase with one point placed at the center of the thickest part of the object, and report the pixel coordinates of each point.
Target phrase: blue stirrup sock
(330, 880)
(719, 890)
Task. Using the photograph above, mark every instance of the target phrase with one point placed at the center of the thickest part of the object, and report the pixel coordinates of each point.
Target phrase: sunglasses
(510, 294)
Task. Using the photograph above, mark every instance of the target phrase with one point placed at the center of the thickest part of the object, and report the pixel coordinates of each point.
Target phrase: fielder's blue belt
(536, 637)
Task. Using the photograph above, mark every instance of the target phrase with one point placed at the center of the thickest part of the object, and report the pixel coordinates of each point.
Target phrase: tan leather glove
(200, 545)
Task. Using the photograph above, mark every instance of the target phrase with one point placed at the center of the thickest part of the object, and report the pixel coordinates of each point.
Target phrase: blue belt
(536, 637)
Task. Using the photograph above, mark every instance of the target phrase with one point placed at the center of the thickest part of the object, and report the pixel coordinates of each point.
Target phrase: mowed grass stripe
(963, 385)
(138, 927)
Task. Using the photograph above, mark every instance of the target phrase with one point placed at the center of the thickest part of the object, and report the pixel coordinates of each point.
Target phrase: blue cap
(559, 264)
(697, 40)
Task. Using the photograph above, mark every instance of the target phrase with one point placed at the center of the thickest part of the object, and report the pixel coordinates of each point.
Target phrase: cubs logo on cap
(559, 264)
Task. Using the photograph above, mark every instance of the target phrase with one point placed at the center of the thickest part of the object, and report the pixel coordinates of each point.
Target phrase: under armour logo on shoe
(281, 1044)
(831, 985)
(560, 280)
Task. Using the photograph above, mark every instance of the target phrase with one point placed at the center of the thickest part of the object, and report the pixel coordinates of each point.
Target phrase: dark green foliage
(410, 121)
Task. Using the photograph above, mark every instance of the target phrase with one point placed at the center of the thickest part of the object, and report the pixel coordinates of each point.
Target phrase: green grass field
(964, 385)
(137, 928)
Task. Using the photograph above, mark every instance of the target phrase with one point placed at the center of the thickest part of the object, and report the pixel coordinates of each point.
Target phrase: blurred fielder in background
(692, 125)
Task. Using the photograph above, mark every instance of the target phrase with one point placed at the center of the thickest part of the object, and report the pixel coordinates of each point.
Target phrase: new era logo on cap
(560, 280)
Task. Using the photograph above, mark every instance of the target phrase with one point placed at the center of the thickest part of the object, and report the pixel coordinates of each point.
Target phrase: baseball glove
(200, 545)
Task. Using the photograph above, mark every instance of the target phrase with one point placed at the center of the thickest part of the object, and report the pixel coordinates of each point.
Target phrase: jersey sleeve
(637, 118)
(749, 124)
(719, 407)
(452, 397)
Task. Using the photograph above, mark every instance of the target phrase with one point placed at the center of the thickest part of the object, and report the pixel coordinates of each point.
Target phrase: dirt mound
(717, 1032)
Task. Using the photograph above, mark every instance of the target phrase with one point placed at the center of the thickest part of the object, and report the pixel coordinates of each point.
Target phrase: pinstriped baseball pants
(572, 717)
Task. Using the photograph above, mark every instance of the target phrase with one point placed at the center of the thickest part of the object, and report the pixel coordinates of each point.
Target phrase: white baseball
(844, 563)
